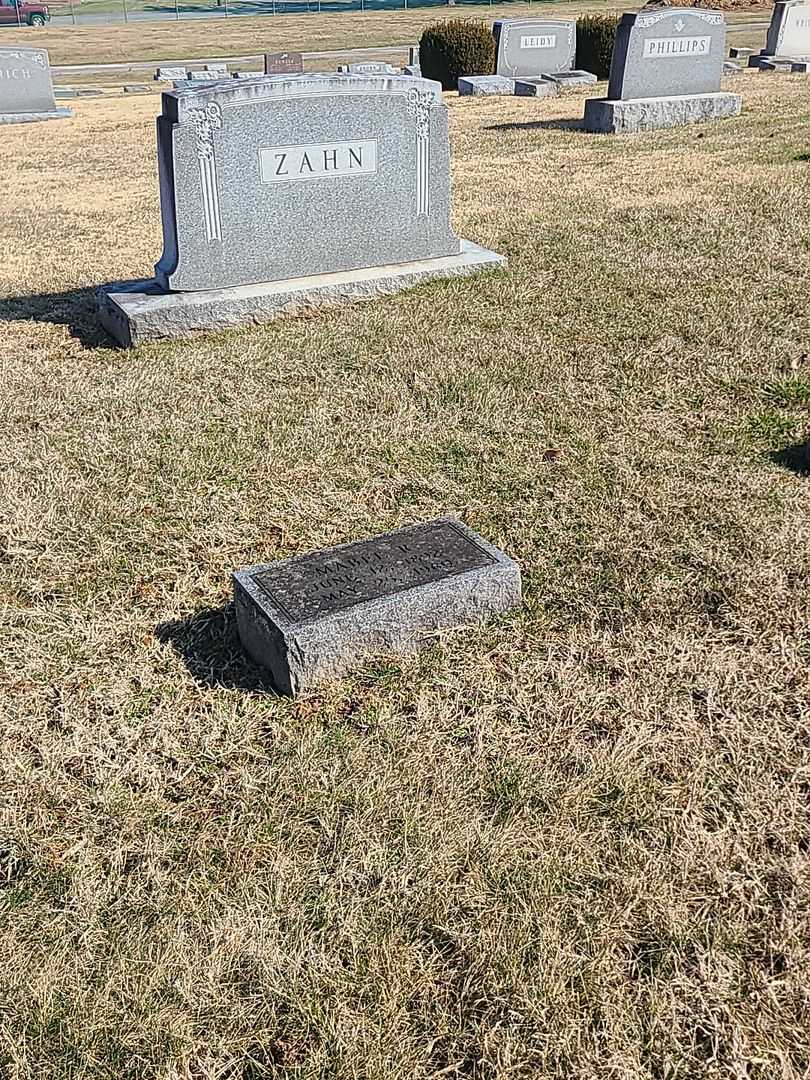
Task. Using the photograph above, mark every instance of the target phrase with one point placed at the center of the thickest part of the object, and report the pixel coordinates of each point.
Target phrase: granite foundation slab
(33, 117)
(564, 79)
(536, 88)
(142, 311)
(647, 114)
(485, 86)
(312, 618)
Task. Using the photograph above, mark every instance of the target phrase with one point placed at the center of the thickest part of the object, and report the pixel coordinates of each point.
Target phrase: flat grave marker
(312, 618)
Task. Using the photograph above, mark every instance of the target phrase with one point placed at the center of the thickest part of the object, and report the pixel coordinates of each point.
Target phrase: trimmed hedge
(456, 47)
(595, 35)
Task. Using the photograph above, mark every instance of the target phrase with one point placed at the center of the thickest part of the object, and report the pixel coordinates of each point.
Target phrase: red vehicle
(18, 12)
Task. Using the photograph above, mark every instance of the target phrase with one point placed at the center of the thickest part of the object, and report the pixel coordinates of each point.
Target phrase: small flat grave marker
(26, 89)
(312, 618)
(283, 63)
(485, 86)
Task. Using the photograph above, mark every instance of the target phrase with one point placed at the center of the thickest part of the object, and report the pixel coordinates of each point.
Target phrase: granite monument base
(767, 62)
(646, 114)
(313, 617)
(141, 311)
(485, 85)
(33, 117)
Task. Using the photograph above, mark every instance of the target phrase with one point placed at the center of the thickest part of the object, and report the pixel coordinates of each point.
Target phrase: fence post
(126, 13)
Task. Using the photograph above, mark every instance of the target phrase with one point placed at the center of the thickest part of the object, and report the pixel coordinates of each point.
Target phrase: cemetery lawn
(203, 38)
(572, 844)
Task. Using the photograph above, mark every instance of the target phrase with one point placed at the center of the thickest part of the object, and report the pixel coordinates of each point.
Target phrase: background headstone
(533, 46)
(26, 90)
(789, 32)
(670, 51)
(369, 68)
(283, 63)
(171, 74)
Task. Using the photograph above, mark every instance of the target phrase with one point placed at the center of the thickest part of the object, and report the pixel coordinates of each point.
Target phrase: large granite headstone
(532, 46)
(313, 617)
(290, 191)
(283, 63)
(788, 35)
(26, 90)
(666, 70)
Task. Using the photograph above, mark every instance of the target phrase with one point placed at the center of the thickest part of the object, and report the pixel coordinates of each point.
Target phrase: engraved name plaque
(686, 46)
(317, 160)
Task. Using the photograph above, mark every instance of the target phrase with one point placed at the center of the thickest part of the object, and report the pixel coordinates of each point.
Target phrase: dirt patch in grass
(572, 844)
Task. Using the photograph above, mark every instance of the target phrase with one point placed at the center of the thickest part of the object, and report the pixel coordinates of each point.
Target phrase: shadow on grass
(796, 458)
(75, 309)
(208, 644)
(540, 125)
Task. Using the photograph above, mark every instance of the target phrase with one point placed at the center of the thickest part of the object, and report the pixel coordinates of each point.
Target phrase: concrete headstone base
(32, 117)
(646, 114)
(141, 311)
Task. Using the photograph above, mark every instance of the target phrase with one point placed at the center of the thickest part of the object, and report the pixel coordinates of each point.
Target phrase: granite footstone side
(312, 618)
(536, 88)
(485, 86)
(26, 88)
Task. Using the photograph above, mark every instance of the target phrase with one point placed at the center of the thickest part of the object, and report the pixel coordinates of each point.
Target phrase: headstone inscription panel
(674, 51)
(288, 176)
(283, 63)
(309, 618)
(26, 89)
(529, 47)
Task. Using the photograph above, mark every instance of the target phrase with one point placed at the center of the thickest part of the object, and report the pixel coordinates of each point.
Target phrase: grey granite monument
(26, 90)
(665, 71)
(788, 37)
(283, 192)
(312, 618)
(533, 48)
(284, 63)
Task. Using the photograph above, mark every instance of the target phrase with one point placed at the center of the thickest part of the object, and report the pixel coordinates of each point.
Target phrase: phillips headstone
(665, 71)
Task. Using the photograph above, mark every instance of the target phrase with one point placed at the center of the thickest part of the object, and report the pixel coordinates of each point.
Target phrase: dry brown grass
(573, 844)
(246, 36)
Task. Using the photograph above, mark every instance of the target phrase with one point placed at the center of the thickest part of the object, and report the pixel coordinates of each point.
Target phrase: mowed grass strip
(571, 844)
(247, 35)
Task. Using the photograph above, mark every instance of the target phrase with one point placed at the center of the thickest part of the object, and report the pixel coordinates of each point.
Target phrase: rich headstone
(369, 68)
(26, 90)
(530, 47)
(665, 71)
(536, 88)
(312, 618)
(284, 192)
(788, 34)
(171, 74)
(283, 63)
(485, 86)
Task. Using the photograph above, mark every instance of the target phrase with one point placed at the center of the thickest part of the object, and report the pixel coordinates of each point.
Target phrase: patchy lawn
(572, 844)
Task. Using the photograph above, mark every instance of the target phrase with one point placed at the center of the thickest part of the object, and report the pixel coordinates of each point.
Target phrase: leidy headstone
(533, 47)
(788, 34)
(26, 90)
(308, 188)
(283, 63)
(666, 70)
(313, 617)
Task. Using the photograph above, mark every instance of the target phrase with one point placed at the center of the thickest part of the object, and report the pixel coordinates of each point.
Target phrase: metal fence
(78, 12)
